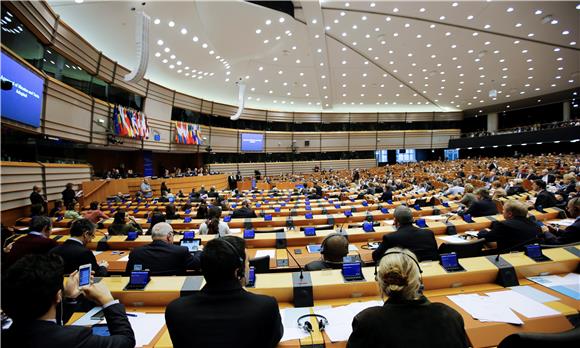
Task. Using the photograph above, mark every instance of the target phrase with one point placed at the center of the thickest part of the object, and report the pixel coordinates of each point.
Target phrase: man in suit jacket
(419, 241)
(74, 251)
(223, 313)
(244, 212)
(547, 177)
(37, 241)
(333, 249)
(483, 206)
(571, 234)
(36, 197)
(514, 230)
(544, 199)
(232, 182)
(387, 194)
(31, 292)
(161, 257)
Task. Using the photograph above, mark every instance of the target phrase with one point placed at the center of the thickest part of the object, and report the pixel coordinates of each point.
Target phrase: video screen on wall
(252, 142)
(406, 155)
(451, 154)
(22, 91)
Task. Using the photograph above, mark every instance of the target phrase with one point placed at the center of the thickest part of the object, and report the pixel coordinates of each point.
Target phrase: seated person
(570, 234)
(498, 190)
(36, 210)
(201, 211)
(468, 196)
(333, 249)
(162, 257)
(223, 313)
(213, 225)
(419, 241)
(37, 241)
(170, 213)
(194, 196)
(94, 214)
(515, 187)
(244, 212)
(32, 289)
(120, 226)
(483, 206)
(514, 230)
(72, 211)
(74, 251)
(156, 217)
(413, 321)
(202, 190)
(56, 210)
(544, 198)
(212, 193)
(146, 189)
(455, 189)
(387, 194)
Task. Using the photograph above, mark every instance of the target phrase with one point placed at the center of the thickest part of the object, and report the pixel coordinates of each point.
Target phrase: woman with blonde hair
(407, 319)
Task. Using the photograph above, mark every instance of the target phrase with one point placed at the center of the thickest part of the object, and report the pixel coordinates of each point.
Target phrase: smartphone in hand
(85, 276)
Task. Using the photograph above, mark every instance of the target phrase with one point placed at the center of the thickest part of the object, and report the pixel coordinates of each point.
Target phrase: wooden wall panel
(224, 139)
(334, 117)
(362, 141)
(334, 165)
(106, 69)
(304, 117)
(363, 117)
(391, 117)
(278, 141)
(279, 116)
(102, 111)
(58, 175)
(75, 48)
(224, 110)
(161, 127)
(68, 112)
(362, 163)
(187, 102)
(334, 141)
(390, 139)
(254, 114)
(313, 137)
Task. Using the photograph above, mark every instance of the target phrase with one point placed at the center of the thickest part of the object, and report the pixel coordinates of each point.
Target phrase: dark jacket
(244, 212)
(124, 229)
(408, 324)
(510, 233)
(514, 190)
(75, 254)
(224, 315)
(570, 234)
(545, 199)
(29, 244)
(36, 198)
(162, 259)
(46, 334)
(387, 196)
(320, 265)
(482, 207)
(68, 196)
(420, 241)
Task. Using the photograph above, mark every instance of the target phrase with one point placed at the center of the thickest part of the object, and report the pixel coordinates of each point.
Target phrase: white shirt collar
(76, 240)
(34, 233)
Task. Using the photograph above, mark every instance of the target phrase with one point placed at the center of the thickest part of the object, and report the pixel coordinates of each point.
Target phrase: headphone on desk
(240, 260)
(330, 236)
(307, 326)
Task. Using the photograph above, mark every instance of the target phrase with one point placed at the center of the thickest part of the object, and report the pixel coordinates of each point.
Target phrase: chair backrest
(550, 246)
(269, 230)
(570, 338)
(469, 249)
(261, 264)
(319, 227)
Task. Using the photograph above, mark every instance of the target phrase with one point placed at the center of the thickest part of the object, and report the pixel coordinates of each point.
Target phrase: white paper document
(564, 222)
(522, 304)
(472, 233)
(124, 258)
(534, 293)
(267, 252)
(96, 252)
(485, 309)
(340, 319)
(289, 321)
(146, 326)
(455, 239)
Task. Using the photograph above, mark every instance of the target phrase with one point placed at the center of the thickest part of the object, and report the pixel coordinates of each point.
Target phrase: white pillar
(566, 111)
(492, 122)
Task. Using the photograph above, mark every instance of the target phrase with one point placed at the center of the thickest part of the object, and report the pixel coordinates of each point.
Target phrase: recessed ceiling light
(510, 9)
(204, 45)
(183, 31)
(172, 56)
(395, 10)
(258, 31)
(195, 39)
(164, 60)
(157, 54)
(266, 41)
(487, 26)
(373, 4)
(157, 21)
(281, 19)
(470, 17)
(530, 34)
(422, 9)
(442, 18)
(554, 21)
(166, 49)
(171, 24)
(454, 4)
(518, 25)
(565, 32)
(160, 42)
(538, 12)
(364, 18)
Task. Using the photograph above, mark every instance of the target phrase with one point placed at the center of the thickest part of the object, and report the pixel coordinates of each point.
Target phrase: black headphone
(307, 326)
(330, 236)
(240, 264)
(421, 287)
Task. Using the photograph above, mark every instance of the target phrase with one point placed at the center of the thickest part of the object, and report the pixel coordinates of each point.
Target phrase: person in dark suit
(483, 206)
(32, 289)
(69, 195)
(514, 230)
(333, 249)
(547, 177)
(74, 251)
(414, 322)
(531, 175)
(161, 257)
(244, 212)
(37, 241)
(223, 313)
(232, 182)
(36, 197)
(213, 193)
(387, 194)
(120, 225)
(544, 199)
(570, 234)
(420, 241)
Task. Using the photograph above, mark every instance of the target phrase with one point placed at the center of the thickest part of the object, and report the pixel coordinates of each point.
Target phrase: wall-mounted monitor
(187, 133)
(252, 142)
(406, 155)
(22, 92)
(451, 154)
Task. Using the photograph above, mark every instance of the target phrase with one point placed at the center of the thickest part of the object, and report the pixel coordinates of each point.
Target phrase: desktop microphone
(299, 266)
(517, 246)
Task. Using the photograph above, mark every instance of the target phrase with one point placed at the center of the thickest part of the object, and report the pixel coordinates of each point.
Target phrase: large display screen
(451, 154)
(22, 91)
(187, 133)
(252, 142)
(130, 123)
(406, 155)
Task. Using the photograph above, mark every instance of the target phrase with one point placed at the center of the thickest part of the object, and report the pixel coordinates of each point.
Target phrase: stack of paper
(290, 322)
(485, 309)
(568, 285)
(455, 239)
(564, 222)
(266, 252)
(522, 304)
(340, 319)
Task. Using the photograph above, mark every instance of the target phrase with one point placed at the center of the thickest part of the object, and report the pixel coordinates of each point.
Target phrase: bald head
(162, 231)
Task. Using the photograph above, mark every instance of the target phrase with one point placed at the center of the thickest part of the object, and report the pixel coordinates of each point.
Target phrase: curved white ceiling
(357, 56)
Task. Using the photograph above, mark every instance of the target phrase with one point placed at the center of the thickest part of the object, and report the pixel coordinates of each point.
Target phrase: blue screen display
(188, 234)
(451, 155)
(84, 276)
(252, 142)
(351, 269)
(533, 250)
(449, 260)
(23, 101)
(139, 277)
